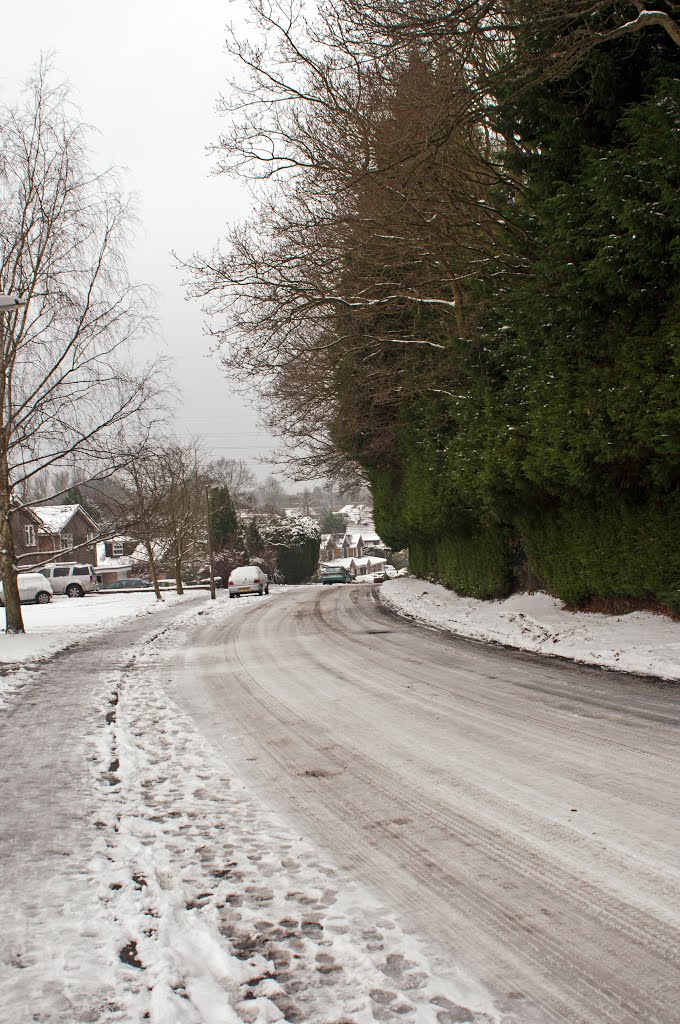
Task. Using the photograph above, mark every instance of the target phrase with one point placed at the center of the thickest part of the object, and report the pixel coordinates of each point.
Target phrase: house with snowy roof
(354, 543)
(356, 513)
(330, 547)
(359, 566)
(340, 545)
(118, 558)
(53, 533)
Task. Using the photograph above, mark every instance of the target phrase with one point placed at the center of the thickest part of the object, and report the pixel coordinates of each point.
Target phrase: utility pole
(208, 489)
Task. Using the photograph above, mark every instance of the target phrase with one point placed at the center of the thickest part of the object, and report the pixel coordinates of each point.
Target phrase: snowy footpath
(639, 642)
(143, 882)
(64, 623)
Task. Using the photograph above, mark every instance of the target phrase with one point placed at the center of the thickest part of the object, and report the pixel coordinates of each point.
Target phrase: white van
(248, 579)
(33, 586)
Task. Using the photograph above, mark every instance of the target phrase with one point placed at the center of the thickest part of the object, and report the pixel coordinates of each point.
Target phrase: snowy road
(142, 881)
(519, 815)
(300, 808)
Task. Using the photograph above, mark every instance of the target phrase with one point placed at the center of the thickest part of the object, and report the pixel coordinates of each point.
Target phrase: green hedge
(477, 562)
(579, 549)
(298, 564)
(547, 447)
(610, 548)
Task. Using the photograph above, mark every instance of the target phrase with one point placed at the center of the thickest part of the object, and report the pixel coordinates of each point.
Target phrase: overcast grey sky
(146, 74)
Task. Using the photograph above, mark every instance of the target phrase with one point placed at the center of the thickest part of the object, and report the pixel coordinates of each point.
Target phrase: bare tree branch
(68, 380)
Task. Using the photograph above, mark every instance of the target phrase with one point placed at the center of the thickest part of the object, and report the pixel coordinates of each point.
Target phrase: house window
(29, 534)
(117, 550)
(66, 540)
(90, 536)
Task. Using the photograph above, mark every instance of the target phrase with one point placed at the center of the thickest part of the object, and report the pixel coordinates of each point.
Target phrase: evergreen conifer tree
(222, 517)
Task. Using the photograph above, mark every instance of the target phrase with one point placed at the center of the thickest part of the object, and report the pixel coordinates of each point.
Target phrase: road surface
(521, 815)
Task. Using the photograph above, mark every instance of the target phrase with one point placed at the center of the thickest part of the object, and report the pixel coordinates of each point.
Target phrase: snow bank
(638, 642)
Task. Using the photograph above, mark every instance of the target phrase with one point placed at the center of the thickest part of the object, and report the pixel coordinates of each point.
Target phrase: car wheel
(73, 590)
(260, 591)
(266, 589)
(43, 597)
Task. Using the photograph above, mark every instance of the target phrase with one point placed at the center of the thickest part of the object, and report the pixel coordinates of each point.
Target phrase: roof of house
(365, 560)
(123, 561)
(55, 518)
(367, 535)
(355, 513)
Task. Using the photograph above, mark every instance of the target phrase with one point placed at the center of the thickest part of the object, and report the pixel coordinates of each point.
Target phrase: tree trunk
(178, 577)
(14, 622)
(460, 318)
(152, 570)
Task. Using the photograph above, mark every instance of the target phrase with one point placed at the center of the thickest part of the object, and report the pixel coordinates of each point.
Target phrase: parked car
(132, 583)
(248, 579)
(33, 586)
(335, 574)
(204, 578)
(71, 578)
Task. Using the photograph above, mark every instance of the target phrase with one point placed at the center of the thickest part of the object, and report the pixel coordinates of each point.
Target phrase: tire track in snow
(482, 754)
(191, 862)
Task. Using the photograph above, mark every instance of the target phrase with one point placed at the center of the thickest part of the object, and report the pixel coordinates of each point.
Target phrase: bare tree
(377, 216)
(182, 471)
(371, 137)
(138, 507)
(272, 496)
(474, 27)
(237, 476)
(67, 377)
(576, 27)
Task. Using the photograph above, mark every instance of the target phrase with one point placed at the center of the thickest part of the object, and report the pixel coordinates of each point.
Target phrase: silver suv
(71, 578)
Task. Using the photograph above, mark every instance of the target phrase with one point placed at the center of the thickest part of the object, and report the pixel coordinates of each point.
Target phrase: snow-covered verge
(66, 621)
(639, 642)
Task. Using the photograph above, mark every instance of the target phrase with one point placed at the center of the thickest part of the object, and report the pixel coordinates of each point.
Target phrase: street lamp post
(208, 489)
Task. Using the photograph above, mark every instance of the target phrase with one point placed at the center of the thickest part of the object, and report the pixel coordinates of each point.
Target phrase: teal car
(335, 574)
